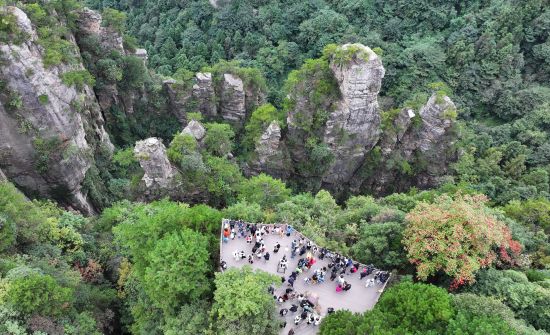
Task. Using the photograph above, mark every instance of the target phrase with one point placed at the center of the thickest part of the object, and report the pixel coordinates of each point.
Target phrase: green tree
(470, 324)
(532, 212)
(219, 139)
(529, 301)
(16, 210)
(242, 210)
(191, 319)
(490, 307)
(242, 305)
(380, 244)
(38, 293)
(178, 269)
(264, 190)
(258, 123)
(7, 233)
(340, 323)
(114, 19)
(409, 308)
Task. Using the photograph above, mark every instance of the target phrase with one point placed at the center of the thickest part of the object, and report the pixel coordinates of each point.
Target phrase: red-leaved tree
(457, 236)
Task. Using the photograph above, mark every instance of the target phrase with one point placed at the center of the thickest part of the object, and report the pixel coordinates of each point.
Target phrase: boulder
(158, 172)
(195, 129)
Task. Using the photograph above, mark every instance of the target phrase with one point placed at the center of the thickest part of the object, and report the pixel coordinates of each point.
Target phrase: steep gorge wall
(335, 137)
(49, 130)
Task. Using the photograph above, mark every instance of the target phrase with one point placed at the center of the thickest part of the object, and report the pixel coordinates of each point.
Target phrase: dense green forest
(493, 55)
(471, 256)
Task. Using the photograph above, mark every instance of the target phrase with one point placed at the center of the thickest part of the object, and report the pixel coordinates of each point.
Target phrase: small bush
(78, 78)
(43, 99)
(114, 19)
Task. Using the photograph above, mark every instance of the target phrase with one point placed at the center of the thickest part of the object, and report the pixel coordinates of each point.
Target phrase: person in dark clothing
(333, 276)
(291, 281)
(291, 332)
(283, 312)
(293, 308)
(363, 273)
(347, 287)
(266, 256)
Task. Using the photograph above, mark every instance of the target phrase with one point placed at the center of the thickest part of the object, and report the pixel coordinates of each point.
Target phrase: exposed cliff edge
(336, 138)
(58, 121)
(50, 129)
(353, 128)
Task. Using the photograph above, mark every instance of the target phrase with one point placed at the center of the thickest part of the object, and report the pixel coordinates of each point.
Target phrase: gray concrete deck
(358, 299)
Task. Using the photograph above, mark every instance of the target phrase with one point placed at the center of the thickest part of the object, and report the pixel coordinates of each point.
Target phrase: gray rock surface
(204, 94)
(152, 157)
(89, 22)
(268, 145)
(195, 129)
(353, 128)
(142, 54)
(232, 100)
(47, 141)
(429, 138)
(179, 99)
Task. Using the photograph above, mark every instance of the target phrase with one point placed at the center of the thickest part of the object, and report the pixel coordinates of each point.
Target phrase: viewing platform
(323, 295)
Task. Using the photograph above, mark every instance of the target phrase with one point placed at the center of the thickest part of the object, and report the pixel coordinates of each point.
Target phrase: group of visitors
(301, 307)
(339, 268)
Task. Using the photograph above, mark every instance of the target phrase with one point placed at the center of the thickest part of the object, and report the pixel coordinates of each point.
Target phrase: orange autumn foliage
(457, 236)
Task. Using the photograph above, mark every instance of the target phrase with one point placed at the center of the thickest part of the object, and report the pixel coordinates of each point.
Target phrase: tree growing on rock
(455, 236)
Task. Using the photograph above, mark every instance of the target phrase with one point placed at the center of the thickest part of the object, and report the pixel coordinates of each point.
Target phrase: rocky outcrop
(49, 132)
(2, 176)
(152, 157)
(90, 23)
(232, 100)
(204, 94)
(179, 99)
(90, 30)
(271, 156)
(195, 129)
(423, 141)
(353, 128)
(142, 54)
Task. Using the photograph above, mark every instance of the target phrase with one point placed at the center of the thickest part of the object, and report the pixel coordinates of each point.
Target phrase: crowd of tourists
(338, 270)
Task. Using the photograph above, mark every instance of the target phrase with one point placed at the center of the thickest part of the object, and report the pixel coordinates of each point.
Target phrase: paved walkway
(358, 299)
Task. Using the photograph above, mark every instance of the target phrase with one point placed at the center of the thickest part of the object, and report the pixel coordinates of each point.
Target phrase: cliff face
(49, 131)
(335, 138)
(421, 141)
(353, 128)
